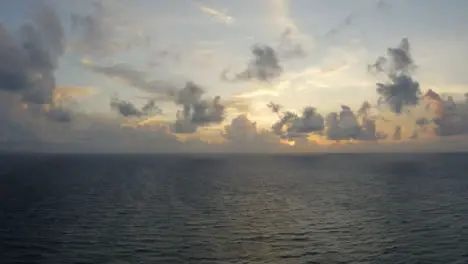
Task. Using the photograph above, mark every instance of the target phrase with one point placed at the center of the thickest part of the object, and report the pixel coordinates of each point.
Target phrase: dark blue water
(396, 208)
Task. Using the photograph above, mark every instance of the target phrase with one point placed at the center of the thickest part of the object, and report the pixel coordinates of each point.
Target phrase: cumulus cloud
(243, 135)
(345, 126)
(196, 112)
(400, 90)
(291, 125)
(450, 116)
(218, 15)
(240, 129)
(264, 67)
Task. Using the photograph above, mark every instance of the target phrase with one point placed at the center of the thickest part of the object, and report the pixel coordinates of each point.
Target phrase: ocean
(336, 208)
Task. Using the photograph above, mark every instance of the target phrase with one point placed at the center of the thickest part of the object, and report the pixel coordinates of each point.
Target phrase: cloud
(128, 109)
(291, 125)
(257, 93)
(243, 135)
(238, 104)
(27, 68)
(28, 62)
(196, 112)
(131, 76)
(364, 109)
(275, 108)
(293, 43)
(264, 67)
(401, 90)
(345, 126)
(240, 129)
(61, 92)
(103, 32)
(451, 116)
(218, 15)
(64, 103)
(59, 114)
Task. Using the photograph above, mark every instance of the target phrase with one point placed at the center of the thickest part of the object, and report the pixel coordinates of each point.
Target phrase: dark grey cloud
(291, 125)
(400, 90)
(422, 121)
(196, 111)
(378, 65)
(309, 122)
(286, 118)
(264, 67)
(29, 58)
(128, 109)
(398, 61)
(275, 108)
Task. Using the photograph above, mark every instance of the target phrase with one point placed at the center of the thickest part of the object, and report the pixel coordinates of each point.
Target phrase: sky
(246, 75)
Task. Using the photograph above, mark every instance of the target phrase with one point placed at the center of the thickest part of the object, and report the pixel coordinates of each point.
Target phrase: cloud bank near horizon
(180, 115)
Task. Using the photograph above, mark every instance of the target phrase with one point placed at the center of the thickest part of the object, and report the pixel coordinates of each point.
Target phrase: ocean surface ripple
(341, 208)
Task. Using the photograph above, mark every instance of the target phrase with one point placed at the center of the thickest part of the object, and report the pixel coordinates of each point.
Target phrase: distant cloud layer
(178, 111)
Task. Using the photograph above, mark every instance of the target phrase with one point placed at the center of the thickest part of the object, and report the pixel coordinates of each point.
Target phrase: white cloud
(218, 15)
